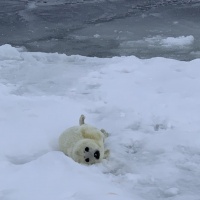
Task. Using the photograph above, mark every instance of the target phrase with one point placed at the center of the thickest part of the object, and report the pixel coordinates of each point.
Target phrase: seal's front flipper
(106, 153)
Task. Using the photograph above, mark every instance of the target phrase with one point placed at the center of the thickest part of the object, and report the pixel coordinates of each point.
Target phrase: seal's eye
(87, 160)
(87, 149)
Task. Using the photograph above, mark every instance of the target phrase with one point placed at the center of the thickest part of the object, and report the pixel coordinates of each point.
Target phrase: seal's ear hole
(87, 160)
(87, 149)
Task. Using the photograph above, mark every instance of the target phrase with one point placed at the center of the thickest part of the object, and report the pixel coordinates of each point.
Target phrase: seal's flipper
(106, 153)
(82, 120)
(104, 132)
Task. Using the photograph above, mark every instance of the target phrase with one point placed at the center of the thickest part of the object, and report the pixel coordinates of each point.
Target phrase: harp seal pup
(84, 143)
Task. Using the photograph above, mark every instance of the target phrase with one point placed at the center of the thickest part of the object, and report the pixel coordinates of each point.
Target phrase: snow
(178, 41)
(162, 42)
(150, 108)
(171, 42)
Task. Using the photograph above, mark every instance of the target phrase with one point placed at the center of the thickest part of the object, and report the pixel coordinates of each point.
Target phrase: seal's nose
(97, 154)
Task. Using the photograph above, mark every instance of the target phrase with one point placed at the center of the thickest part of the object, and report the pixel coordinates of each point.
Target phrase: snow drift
(150, 108)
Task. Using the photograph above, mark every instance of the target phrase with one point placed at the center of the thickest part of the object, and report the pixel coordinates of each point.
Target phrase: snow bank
(9, 53)
(150, 108)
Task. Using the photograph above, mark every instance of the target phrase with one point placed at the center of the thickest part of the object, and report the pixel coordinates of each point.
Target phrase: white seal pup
(84, 143)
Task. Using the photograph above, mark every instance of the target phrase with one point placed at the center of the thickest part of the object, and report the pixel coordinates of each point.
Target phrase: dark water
(103, 28)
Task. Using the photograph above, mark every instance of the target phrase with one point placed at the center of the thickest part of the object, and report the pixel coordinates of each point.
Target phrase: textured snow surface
(150, 108)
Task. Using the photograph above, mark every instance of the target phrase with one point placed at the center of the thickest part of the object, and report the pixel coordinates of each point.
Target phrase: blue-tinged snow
(150, 108)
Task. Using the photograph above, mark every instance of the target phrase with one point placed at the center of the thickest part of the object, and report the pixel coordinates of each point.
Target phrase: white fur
(74, 140)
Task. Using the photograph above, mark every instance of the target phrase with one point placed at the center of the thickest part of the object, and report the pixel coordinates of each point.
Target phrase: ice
(178, 41)
(150, 107)
(164, 42)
